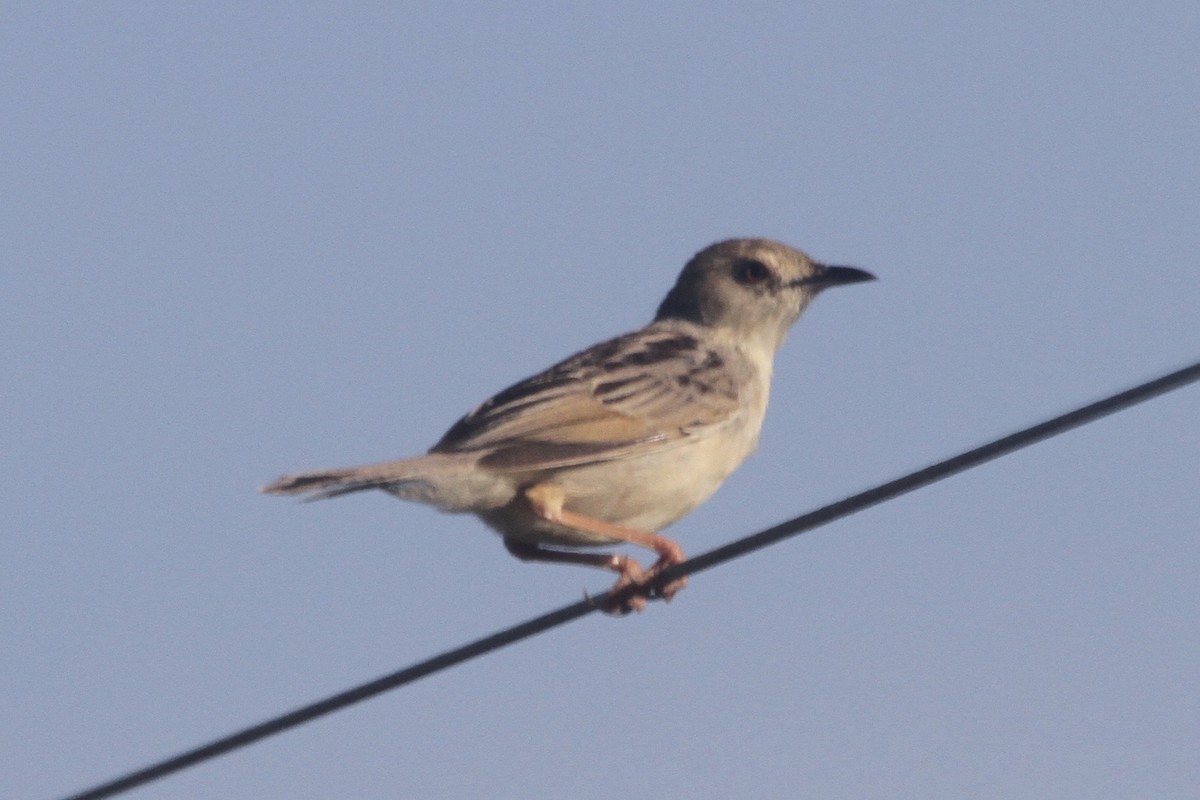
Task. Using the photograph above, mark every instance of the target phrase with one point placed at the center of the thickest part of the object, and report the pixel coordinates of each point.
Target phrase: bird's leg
(631, 572)
(532, 551)
(546, 501)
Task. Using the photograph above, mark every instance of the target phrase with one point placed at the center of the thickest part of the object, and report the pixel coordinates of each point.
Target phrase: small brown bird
(624, 438)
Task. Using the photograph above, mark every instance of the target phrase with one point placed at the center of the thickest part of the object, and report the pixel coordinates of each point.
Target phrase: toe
(668, 590)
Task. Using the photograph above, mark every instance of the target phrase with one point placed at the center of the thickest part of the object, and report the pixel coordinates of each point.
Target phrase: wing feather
(651, 389)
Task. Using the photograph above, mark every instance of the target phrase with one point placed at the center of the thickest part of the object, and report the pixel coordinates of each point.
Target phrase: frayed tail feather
(406, 478)
(320, 485)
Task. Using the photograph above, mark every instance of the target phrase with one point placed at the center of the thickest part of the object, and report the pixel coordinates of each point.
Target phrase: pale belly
(646, 493)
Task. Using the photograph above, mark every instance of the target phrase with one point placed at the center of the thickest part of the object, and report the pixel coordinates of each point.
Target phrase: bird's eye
(750, 271)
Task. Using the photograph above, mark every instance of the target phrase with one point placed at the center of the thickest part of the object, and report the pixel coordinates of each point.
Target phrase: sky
(245, 239)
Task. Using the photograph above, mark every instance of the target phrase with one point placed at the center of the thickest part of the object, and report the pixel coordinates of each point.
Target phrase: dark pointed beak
(835, 276)
(828, 275)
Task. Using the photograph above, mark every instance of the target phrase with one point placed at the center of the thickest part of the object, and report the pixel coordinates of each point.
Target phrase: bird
(622, 439)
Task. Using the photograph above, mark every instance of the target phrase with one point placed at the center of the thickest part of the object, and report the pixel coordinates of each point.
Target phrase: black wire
(320, 708)
(936, 472)
(740, 547)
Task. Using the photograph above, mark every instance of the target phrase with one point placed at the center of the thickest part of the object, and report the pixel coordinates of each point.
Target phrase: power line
(793, 527)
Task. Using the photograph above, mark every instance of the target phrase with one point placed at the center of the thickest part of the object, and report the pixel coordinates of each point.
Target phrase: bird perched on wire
(624, 438)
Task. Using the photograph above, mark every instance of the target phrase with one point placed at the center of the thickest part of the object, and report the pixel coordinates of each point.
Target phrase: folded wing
(641, 392)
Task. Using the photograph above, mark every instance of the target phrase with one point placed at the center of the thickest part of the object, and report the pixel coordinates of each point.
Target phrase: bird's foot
(636, 587)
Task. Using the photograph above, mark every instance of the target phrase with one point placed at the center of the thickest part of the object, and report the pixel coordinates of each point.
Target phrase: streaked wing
(650, 389)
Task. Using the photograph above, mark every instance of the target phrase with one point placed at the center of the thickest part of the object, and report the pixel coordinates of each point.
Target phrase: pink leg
(547, 500)
(631, 572)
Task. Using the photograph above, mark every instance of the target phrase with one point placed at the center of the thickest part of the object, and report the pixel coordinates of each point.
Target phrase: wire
(740, 547)
(942, 469)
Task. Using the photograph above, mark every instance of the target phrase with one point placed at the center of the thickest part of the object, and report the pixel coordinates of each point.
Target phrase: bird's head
(752, 289)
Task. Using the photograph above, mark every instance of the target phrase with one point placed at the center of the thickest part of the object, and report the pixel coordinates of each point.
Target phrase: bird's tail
(391, 475)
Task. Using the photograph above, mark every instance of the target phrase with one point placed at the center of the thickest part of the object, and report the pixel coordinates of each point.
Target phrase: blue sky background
(243, 239)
